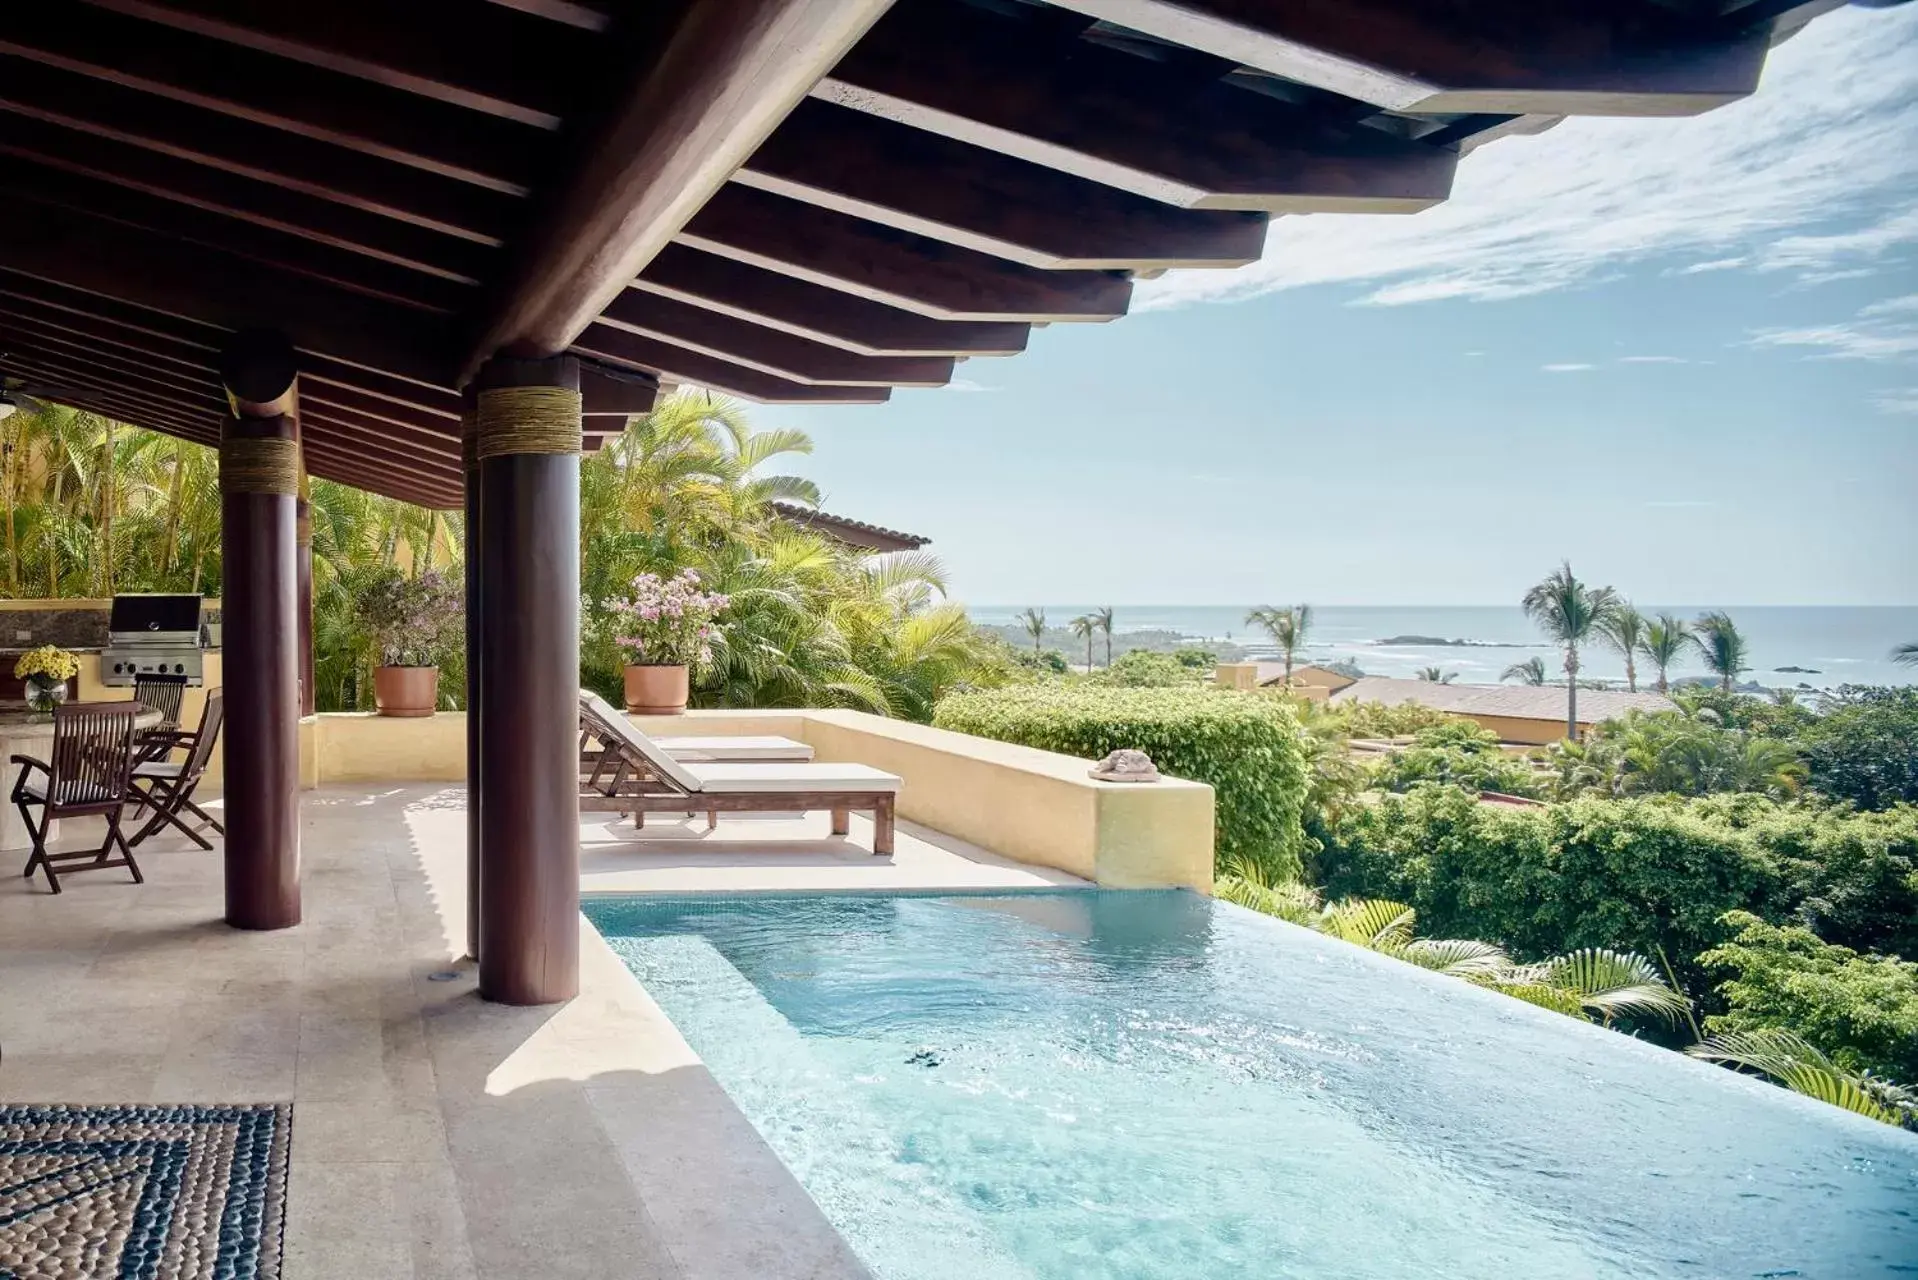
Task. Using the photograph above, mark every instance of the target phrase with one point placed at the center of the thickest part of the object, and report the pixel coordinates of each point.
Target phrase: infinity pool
(1110, 1085)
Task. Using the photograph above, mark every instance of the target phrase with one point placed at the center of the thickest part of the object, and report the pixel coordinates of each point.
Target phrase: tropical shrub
(668, 620)
(1196, 659)
(1634, 875)
(1860, 1010)
(1244, 746)
(1460, 753)
(1670, 753)
(1799, 1065)
(1376, 720)
(1865, 747)
(412, 621)
(1143, 669)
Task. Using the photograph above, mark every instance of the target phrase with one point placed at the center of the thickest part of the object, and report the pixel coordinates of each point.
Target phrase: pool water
(1112, 1086)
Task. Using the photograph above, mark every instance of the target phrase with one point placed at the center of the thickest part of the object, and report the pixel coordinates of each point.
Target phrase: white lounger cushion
(666, 766)
(792, 777)
(734, 749)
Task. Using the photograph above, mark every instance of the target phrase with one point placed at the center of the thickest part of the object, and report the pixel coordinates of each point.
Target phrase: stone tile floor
(434, 1135)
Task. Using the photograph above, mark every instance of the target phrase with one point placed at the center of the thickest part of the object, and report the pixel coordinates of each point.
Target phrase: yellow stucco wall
(1029, 805)
(1519, 729)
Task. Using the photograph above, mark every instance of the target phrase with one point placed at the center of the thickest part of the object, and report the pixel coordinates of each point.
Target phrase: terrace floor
(435, 1135)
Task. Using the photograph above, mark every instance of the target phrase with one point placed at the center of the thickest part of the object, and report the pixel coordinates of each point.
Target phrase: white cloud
(1813, 173)
(1714, 264)
(1567, 368)
(967, 384)
(1903, 401)
(1878, 332)
(1653, 360)
(1893, 306)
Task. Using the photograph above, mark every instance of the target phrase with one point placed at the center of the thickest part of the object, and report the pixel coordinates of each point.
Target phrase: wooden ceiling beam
(479, 57)
(1497, 56)
(720, 81)
(205, 436)
(617, 395)
(30, 180)
(257, 152)
(19, 320)
(872, 168)
(97, 256)
(110, 364)
(768, 350)
(1173, 133)
(107, 378)
(403, 418)
(220, 192)
(897, 268)
(812, 311)
(679, 365)
(323, 429)
(107, 390)
(291, 96)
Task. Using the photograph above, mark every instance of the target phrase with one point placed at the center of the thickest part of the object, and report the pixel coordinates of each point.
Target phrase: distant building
(851, 533)
(1309, 681)
(1516, 713)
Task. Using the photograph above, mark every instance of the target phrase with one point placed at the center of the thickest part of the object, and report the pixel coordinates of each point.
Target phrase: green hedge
(1244, 746)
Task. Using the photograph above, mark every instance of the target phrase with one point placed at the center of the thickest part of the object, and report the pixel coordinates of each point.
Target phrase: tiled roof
(1520, 702)
(855, 533)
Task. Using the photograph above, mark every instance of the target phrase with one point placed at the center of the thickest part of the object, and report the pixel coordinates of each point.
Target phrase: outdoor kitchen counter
(25, 733)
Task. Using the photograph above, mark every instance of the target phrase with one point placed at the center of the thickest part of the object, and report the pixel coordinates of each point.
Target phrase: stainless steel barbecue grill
(152, 635)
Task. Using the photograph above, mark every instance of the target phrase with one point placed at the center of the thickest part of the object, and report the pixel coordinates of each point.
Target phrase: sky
(1682, 353)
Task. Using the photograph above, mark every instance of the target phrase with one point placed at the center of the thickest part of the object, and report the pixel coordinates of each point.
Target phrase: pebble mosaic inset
(142, 1193)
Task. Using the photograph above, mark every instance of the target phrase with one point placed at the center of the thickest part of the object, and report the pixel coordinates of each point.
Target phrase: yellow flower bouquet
(49, 661)
(46, 671)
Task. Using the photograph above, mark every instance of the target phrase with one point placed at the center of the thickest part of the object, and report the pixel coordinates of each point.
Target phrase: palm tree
(1287, 627)
(1434, 676)
(1906, 655)
(1034, 621)
(1085, 626)
(1530, 671)
(1568, 612)
(1665, 640)
(1801, 1067)
(1724, 648)
(1624, 630)
(1103, 617)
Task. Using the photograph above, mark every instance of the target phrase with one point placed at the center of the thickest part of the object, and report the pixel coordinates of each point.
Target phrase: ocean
(1837, 644)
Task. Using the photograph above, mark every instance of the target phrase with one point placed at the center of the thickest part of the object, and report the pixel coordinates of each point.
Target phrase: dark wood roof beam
(106, 390)
(768, 350)
(617, 394)
(217, 191)
(1167, 132)
(721, 80)
(166, 380)
(676, 364)
(311, 102)
(145, 352)
(257, 152)
(813, 311)
(905, 178)
(483, 58)
(98, 256)
(896, 268)
(1499, 56)
(201, 435)
(263, 245)
(92, 373)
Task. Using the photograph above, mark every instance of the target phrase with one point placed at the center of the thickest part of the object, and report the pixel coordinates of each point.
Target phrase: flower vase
(657, 690)
(407, 692)
(45, 693)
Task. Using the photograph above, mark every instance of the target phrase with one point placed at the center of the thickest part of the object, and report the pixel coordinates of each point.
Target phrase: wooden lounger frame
(623, 781)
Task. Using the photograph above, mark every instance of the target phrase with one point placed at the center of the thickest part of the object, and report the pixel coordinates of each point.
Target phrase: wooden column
(469, 453)
(528, 443)
(259, 486)
(303, 563)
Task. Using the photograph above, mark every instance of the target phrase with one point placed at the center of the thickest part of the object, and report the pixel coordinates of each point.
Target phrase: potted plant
(46, 671)
(666, 630)
(413, 621)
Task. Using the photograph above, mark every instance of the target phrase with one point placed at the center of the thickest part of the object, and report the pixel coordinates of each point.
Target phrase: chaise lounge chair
(635, 775)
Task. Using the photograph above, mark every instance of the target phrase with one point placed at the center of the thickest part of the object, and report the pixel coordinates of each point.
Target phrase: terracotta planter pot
(406, 691)
(657, 691)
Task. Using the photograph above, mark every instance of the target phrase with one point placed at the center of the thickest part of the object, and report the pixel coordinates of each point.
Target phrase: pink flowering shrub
(668, 621)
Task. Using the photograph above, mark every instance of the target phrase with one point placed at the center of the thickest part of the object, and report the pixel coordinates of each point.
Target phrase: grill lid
(134, 615)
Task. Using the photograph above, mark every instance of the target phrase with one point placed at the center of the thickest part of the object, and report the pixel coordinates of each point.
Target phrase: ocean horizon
(1833, 644)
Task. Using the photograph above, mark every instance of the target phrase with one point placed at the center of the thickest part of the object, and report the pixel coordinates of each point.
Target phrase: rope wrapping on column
(523, 420)
(261, 465)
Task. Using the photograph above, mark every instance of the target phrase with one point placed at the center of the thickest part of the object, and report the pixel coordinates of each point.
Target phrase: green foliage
(1245, 746)
(1195, 659)
(1376, 720)
(1861, 1010)
(1460, 753)
(1049, 662)
(1634, 875)
(413, 621)
(1729, 709)
(1670, 753)
(1794, 1062)
(1143, 669)
(1723, 646)
(1865, 747)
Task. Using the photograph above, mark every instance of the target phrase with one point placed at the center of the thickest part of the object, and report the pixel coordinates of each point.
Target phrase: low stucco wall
(1033, 806)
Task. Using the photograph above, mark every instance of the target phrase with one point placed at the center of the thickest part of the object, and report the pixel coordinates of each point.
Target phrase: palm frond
(1370, 922)
(1458, 957)
(1799, 1065)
